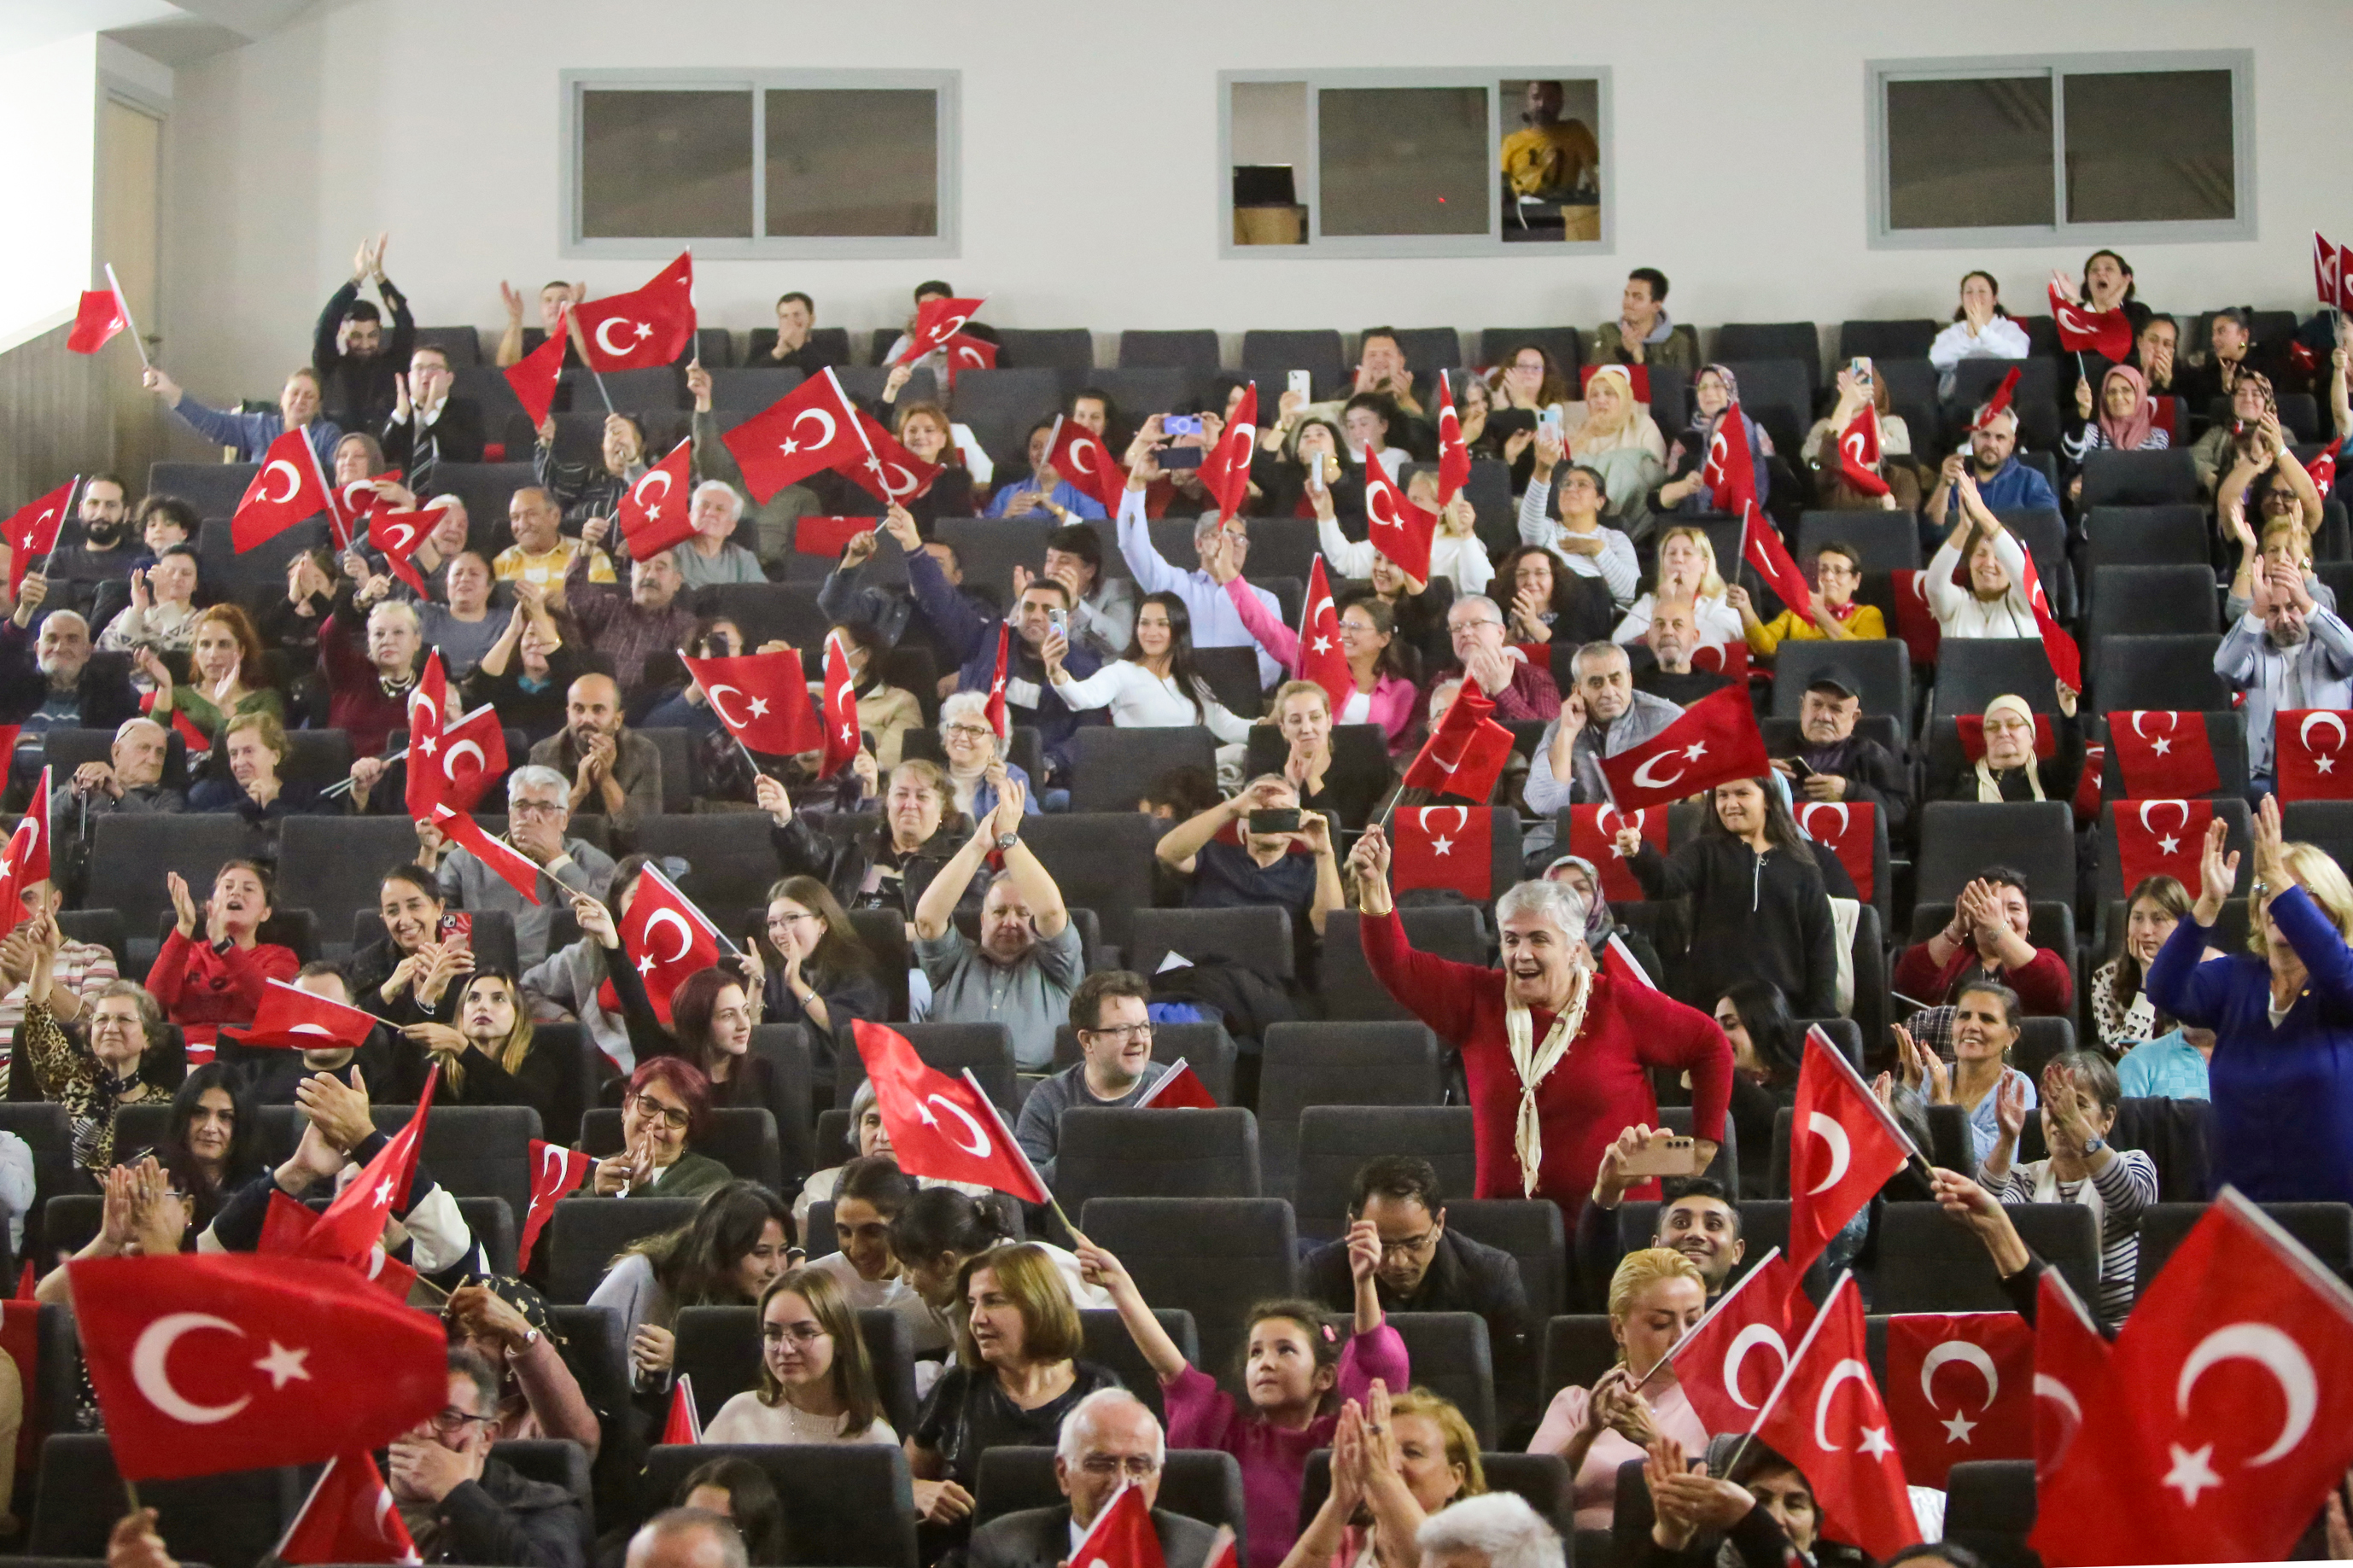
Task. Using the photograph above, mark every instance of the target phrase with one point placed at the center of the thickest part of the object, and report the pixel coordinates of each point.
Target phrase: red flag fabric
(1840, 1441)
(26, 859)
(1394, 525)
(398, 534)
(645, 328)
(1915, 622)
(1223, 1552)
(1847, 826)
(667, 938)
(2308, 755)
(1715, 739)
(354, 1222)
(941, 1126)
(1761, 547)
(291, 1017)
(763, 699)
(998, 719)
(33, 531)
(809, 429)
(842, 728)
(684, 1425)
(888, 471)
(1466, 753)
(349, 1517)
(20, 1340)
(428, 707)
(1638, 375)
(2322, 467)
(966, 353)
(1454, 456)
(1178, 1088)
(2327, 274)
(2066, 658)
(1225, 471)
(1730, 468)
(2107, 333)
(657, 512)
(1593, 833)
(1859, 452)
(1085, 464)
(936, 321)
(2073, 1375)
(289, 1364)
(27, 1282)
(1616, 958)
(516, 869)
(1990, 1397)
(2162, 838)
(473, 758)
(1997, 404)
(1445, 846)
(1718, 1363)
(1844, 1146)
(535, 376)
(1121, 1536)
(97, 318)
(1321, 658)
(286, 491)
(556, 1173)
(2163, 754)
(350, 509)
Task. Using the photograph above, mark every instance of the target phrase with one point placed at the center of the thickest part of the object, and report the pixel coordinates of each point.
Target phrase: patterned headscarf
(1703, 425)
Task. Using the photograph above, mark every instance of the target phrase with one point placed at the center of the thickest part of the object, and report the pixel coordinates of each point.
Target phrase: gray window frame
(946, 84)
(2240, 63)
(1389, 247)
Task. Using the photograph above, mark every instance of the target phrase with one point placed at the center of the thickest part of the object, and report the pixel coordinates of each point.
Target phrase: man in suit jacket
(429, 426)
(1109, 1436)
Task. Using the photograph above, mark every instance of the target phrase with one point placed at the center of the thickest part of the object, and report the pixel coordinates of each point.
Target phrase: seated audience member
(1760, 1514)
(358, 457)
(1554, 601)
(1994, 605)
(1216, 622)
(1686, 571)
(1498, 1530)
(461, 1505)
(1671, 639)
(429, 426)
(1767, 1050)
(890, 866)
(1456, 552)
(1381, 370)
(162, 612)
(1520, 688)
(542, 553)
(1859, 383)
(2254, 402)
(822, 974)
(2155, 355)
(1746, 840)
(1695, 1217)
(359, 363)
(274, 1075)
(1260, 870)
(1102, 607)
(1985, 940)
(1298, 468)
(1833, 763)
(2123, 1012)
(1109, 1014)
(1983, 1022)
(626, 629)
(924, 429)
(1365, 420)
(665, 1107)
(159, 521)
(1643, 331)
(507, 1323)
(244, 773)
(369, 679)
(712, 1014)
(817, 1382)
(528, 672)
(2079, 1110)
(539, 810)
(228, 676)
(463, 626)
(2231, 354)
(1029, 958)
(1713, 391)
(131, 782)
(582, 491)
(2171, 1067)
(1383, 690)
(554, 299)
(1395, 1464)
(212, 1144)
(1044, 491)
(726, 1514)
(486, 1051)
(57, 680)
(935, 360)
(885, 712)
(1109, 1440)
(2010, 770)
(867, 1135)
(249, 435)
(977, 771)
(1302, 711)
(1578, 537)
(290, 622)
(1528, 381)
(1621, 441)
(711, 556)
(947, 1224)
(1154, 682)
(2287, 652)
(1655, 1297)
(615, 772)
(795, 349)
(125, 1055)
(1991, 465)
(870, 1196)
(1603, 717)
(893, 611)
(572, 985)
(1830, 613)
(1980, 328)
(201, 985)
(2265, 472)
(1602, 926)
(78, 971)
(109, 552)
(2107, 286)
(2125, 421)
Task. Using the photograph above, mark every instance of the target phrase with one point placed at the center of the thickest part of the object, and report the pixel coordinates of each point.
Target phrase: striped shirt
(2127, 1187)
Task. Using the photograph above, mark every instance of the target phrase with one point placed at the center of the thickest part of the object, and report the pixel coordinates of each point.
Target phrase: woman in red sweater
(204, 984)
(1557, 1053)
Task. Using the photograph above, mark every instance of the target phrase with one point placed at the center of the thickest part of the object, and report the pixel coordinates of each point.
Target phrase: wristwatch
(2094, 1145)
(1006, 841)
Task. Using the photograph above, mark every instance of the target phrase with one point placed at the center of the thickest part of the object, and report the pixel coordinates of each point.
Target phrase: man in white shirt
(1216, 622)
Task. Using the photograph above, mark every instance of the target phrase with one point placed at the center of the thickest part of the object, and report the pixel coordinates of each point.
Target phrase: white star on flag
(759, 707)
(1442, 846)
(644, 330)
(790, 447)
(426, 743)
(1322, 645)
(1874, 1443)
(1695, 750)
(644, 965)
(1958, 1428)
(2324, 763)
(2160, 745)
(2168, 845)
(384, 1191)
(847, 733)
(874, 464)
(653, 513)
(2193, 1472)
(283, 1365)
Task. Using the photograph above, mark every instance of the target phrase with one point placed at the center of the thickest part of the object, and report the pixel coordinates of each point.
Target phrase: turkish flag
(1997, 404)
(1593, 833)
(1122, 1535)
(290, 1363)
(429, 706)
(1223, 1553)
(888, 472)
(2162, 838)
(2107, 333)
(1454, 456)
(998, 719)
(534, 376)
(1079, 455)
(26, 859)
(1225, 471)
(841, 730)
(763, 699)
(303, 1020)
(936, 321)
(1761, 547)
(667, 938)
(349, 1517)
(1729, 659)
(1445, 846)
(2087, 1461)
(1178, 1088)
(2308, 755)
(1915, 622)
(1729, 471)
(33, 531)
(2066, 658)
(287, 491)
(807, 430)
(940, 1126)
(516, 869)
(1765, 1311)
(473, 757)
(1859, 452)
(2162, 752)
(1838, 1440)
(1995, 1421)
(398, 534)
(2327, 275)
(1465, 754)
(657, 512)
(2073, 1375)
(355, 1221)
(1395, 526)
(1843, 1145)
(644, 328)
(97, 318)
(683, 1424)
(967, 353)
(2322, 467)
(1321, 658)
(349, 509)
(556, 1173)
(1715, 739)
(1847, 827)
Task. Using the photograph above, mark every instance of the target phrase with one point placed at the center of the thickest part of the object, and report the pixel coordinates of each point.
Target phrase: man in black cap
(1833, 763)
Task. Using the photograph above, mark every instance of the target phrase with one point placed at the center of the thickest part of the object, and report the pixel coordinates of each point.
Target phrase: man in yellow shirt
(541, 551)
(1552, 157)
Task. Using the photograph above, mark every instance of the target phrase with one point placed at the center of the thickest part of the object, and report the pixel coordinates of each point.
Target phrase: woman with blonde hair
(1621, 441)
(487, 1053)
(1687, 570)
(1303, 711)
(1655, 1298)
(1397, 1460)
(816, 1381)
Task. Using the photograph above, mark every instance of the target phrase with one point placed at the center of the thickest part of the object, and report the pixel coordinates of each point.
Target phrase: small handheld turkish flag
(1445, 846)
(809, 429)
(2163, 754)
(1840, 1441)
(535, 376)
(1716, 739)
(2327, 274)
(656, 512)
(1593, 833)
(354, 1222)
(1729, 471)
(2066, 658)
(998, 719)
(667, 938)
(1085, 464)
(763, 699)
(27, 860)
(963, 353)
(2107, 333)
(290, 1018)
(841, 727)
(2308, 755)
(473, 757)
(2162, 838)
(2322, 467)
(1717, 1362)
(1321, 658)
(98, 317)
(286, 491)
(349, 1517)
(429, 703)
(288, 1365)
(1394, 525)
(1995, 1421)
(349, 509)
(888, 472)
(645, 328)
(398, 534)
(1178, 1088)
(1465, 754)
(937, 320)
(941, 1126)
(684, 1425)
(1843, 1145)
(1122, 1535)
(1847, 827)
(517, 869)
(556, 1173)
(1859, 452)
(1761, 547)
(1225, 472)
(1996, 405)
(1454, 456)
(33, 531)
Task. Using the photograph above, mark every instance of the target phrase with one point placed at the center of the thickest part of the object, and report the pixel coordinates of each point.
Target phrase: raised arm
(1030, 878)
(1099, 1268)
(1153, 574)
(935, 911)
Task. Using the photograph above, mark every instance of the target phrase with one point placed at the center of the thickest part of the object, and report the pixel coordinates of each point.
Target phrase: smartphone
(458, 926)
(1861, 369)
(1552, 419)
(1274, 821)
(1178, 456)
(1176, 425)
(1666, 1157)
(1061, 621)
(1797, 766)
(1304, 384)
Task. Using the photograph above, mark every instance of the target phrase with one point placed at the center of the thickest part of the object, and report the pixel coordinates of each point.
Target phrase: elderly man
(368, 687)
(615, 773)
(1603, 717)
(1109, 1438)
(1672, 638)
(1029, 958)
(58, 681)
(538, 811)
(687, 1538)
(627, 629)
(131, 781)
(429, 426)
(1260, 870)
(2003, 483)
(459, 1504)
(543, 553)
(1109, 1014)
(2287, 652)
(1695, 1217)
(1216, 622)
(1833, 763)
(1498, 1530)
(711, 556)
(772, 520)
(358, 361)
(249, 435)
(1520, 688)
(1541, 1133)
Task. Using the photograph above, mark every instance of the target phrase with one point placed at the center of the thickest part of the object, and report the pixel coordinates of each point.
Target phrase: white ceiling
(173, 31)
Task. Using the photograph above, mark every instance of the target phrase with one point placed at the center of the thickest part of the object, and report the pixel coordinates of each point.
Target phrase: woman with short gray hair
(1495, 1530)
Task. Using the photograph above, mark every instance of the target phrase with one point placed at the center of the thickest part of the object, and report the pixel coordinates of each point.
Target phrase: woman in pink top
(1655, 1297)
(1297, 1376)
(1384, 692)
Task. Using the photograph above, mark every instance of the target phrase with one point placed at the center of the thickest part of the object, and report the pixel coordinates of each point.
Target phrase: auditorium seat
(1990, 1510)
(1142, 391)
(1458, 932)
(864, 382)
(1578, 1349)
(1958, 838)
(212, 488)
(719, 1347)
(1199, 1483)
(1334, 1141)
(730, 864)
(772, 610)
(1336, 1064)
(1210, 1256)
(1068, 351)
(2147, 601)
(1906, 338)
(584, 1234)
(1108, 1343)
(232, 1520)
(334, 865)
(1206, 1049)
(2175, 670)
(1268, 356)
(1888, 540)
(1450, 1354)
(1883, 666)
(1258, 937)
(999, 406)
(48, 1131)
(2110, 882)
(131, 855)
(2323, 1230)
(1112, 767)
(1107, 1151)
(846, 1505)
(742, 1138)
(2036, 398)
(736, 395)
(254, 575)
(1101, 862)
(2137, 478)
(2174, 535)
(1800, 340)
(2226, 737)
(486, 488)
(1531, 1230)
(1929, 1264)
(460, 345)
(1775, 390)
(986, 1048)
(1191, 349)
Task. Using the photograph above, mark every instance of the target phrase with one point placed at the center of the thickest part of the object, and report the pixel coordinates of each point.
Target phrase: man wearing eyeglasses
(1108, 1014)
(462, 1506)
(1520, 688)
(1109, 1438)
(539, 810)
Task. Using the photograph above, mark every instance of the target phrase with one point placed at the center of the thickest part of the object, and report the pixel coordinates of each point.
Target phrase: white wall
(1091, 170)
(48, 114)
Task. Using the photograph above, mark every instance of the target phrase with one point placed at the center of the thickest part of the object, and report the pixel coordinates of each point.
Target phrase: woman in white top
(1994, 604)
(1154, 684)
(1981, 329)
(1456, 553)
(1578, 539)
(162, 612)
(816, 1385)
(1686, 571)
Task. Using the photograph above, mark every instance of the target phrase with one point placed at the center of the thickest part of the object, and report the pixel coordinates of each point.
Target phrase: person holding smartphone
(1258, 866)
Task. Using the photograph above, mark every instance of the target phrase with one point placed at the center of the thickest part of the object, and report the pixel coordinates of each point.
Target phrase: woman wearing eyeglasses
(665, 1107)
(977, 767)
(824, 975)
(1831, 614)
(816, 1385)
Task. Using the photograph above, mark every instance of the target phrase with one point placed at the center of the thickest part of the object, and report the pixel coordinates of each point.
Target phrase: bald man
(614, 773)
(687, 1538)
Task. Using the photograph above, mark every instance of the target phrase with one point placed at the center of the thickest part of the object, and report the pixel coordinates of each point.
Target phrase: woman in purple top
(1297, 1375)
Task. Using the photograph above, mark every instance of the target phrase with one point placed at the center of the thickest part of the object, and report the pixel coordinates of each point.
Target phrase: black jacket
(894, 613)
(104, 690)
(1040, 1538)
(842, 864)
(455, 436)
(1463, 1275)
(1753, 917)
(506, 1520)
(1871, 775)
(360, 394)
(2060, 773)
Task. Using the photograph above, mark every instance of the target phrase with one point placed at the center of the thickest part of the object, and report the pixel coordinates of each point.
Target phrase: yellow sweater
(1790, 626)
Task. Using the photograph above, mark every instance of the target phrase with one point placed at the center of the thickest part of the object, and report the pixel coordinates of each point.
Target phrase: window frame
(946, 85)
(1320, 246)
(1877, 74)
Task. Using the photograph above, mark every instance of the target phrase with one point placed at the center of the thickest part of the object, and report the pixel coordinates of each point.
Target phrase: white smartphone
(1302, 383)
(1551, 419)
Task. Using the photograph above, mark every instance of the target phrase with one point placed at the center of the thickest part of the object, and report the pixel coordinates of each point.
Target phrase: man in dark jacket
(893, 610)
(1108, 1437)
(462, 1506)
(356, 358)
(1839, 765)
(58, 681)
(1029, 693)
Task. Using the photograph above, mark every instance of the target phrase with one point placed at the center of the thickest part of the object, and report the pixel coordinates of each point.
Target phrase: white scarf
(2046, 1191)
(1531, 1062)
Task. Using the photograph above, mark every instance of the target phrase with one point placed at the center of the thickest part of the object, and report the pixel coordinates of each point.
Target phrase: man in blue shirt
(1216, 622)
(2004, 483)
(1045, 494)
(251, 434)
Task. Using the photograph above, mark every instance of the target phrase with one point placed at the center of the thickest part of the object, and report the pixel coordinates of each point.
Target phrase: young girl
(1296, 1374)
